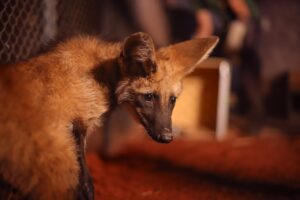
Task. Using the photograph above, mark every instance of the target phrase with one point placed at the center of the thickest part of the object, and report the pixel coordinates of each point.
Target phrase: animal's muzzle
(166, 137)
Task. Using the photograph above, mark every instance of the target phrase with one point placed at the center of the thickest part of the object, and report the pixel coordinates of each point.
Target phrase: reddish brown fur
(40, 98)
(38, 101)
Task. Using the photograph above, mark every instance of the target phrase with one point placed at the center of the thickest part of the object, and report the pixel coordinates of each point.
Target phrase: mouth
(164, 138)
(160, 137)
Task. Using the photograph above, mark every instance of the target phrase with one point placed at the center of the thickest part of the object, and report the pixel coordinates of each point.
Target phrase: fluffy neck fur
(108, 74)
(98, 59)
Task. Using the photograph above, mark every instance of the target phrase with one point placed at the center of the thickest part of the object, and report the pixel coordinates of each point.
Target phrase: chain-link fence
(28, 25)
(21, 29)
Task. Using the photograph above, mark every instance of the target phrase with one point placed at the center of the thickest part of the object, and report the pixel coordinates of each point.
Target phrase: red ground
(237, 169)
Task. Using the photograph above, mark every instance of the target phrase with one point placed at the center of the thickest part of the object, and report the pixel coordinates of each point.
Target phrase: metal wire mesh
(21, 27)
(28, 25)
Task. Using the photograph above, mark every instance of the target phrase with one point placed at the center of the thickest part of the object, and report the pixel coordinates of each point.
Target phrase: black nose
(166, 137)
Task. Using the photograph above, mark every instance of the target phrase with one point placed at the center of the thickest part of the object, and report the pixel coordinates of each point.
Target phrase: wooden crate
(204, 103)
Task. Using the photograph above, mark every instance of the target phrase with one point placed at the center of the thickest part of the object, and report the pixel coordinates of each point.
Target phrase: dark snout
(162, 129)
(155, 116)
(165, 137)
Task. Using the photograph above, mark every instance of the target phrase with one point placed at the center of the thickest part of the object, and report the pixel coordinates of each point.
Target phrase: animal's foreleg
(85, 187)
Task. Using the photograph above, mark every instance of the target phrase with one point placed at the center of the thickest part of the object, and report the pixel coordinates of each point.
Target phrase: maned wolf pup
(48, 102)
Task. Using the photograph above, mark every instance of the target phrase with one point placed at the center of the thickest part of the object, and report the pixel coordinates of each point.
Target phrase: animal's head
(152, 80)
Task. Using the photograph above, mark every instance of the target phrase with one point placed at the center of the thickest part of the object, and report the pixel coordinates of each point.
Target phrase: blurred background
(237, 123)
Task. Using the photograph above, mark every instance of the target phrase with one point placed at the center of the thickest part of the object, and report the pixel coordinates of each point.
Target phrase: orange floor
(244, 168)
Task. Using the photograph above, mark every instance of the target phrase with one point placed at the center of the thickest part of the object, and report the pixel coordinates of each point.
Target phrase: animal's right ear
(185, 56)
(138, 55)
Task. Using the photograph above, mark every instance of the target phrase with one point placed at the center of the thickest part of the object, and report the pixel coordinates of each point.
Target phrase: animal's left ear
(138, 55)
(185, 56)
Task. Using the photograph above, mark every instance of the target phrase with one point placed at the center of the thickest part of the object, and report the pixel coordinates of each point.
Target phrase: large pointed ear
(138, 55)
(185, 56)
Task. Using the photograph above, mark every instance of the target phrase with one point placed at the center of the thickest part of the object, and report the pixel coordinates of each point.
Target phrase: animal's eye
(148, 96)
(173, 99)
